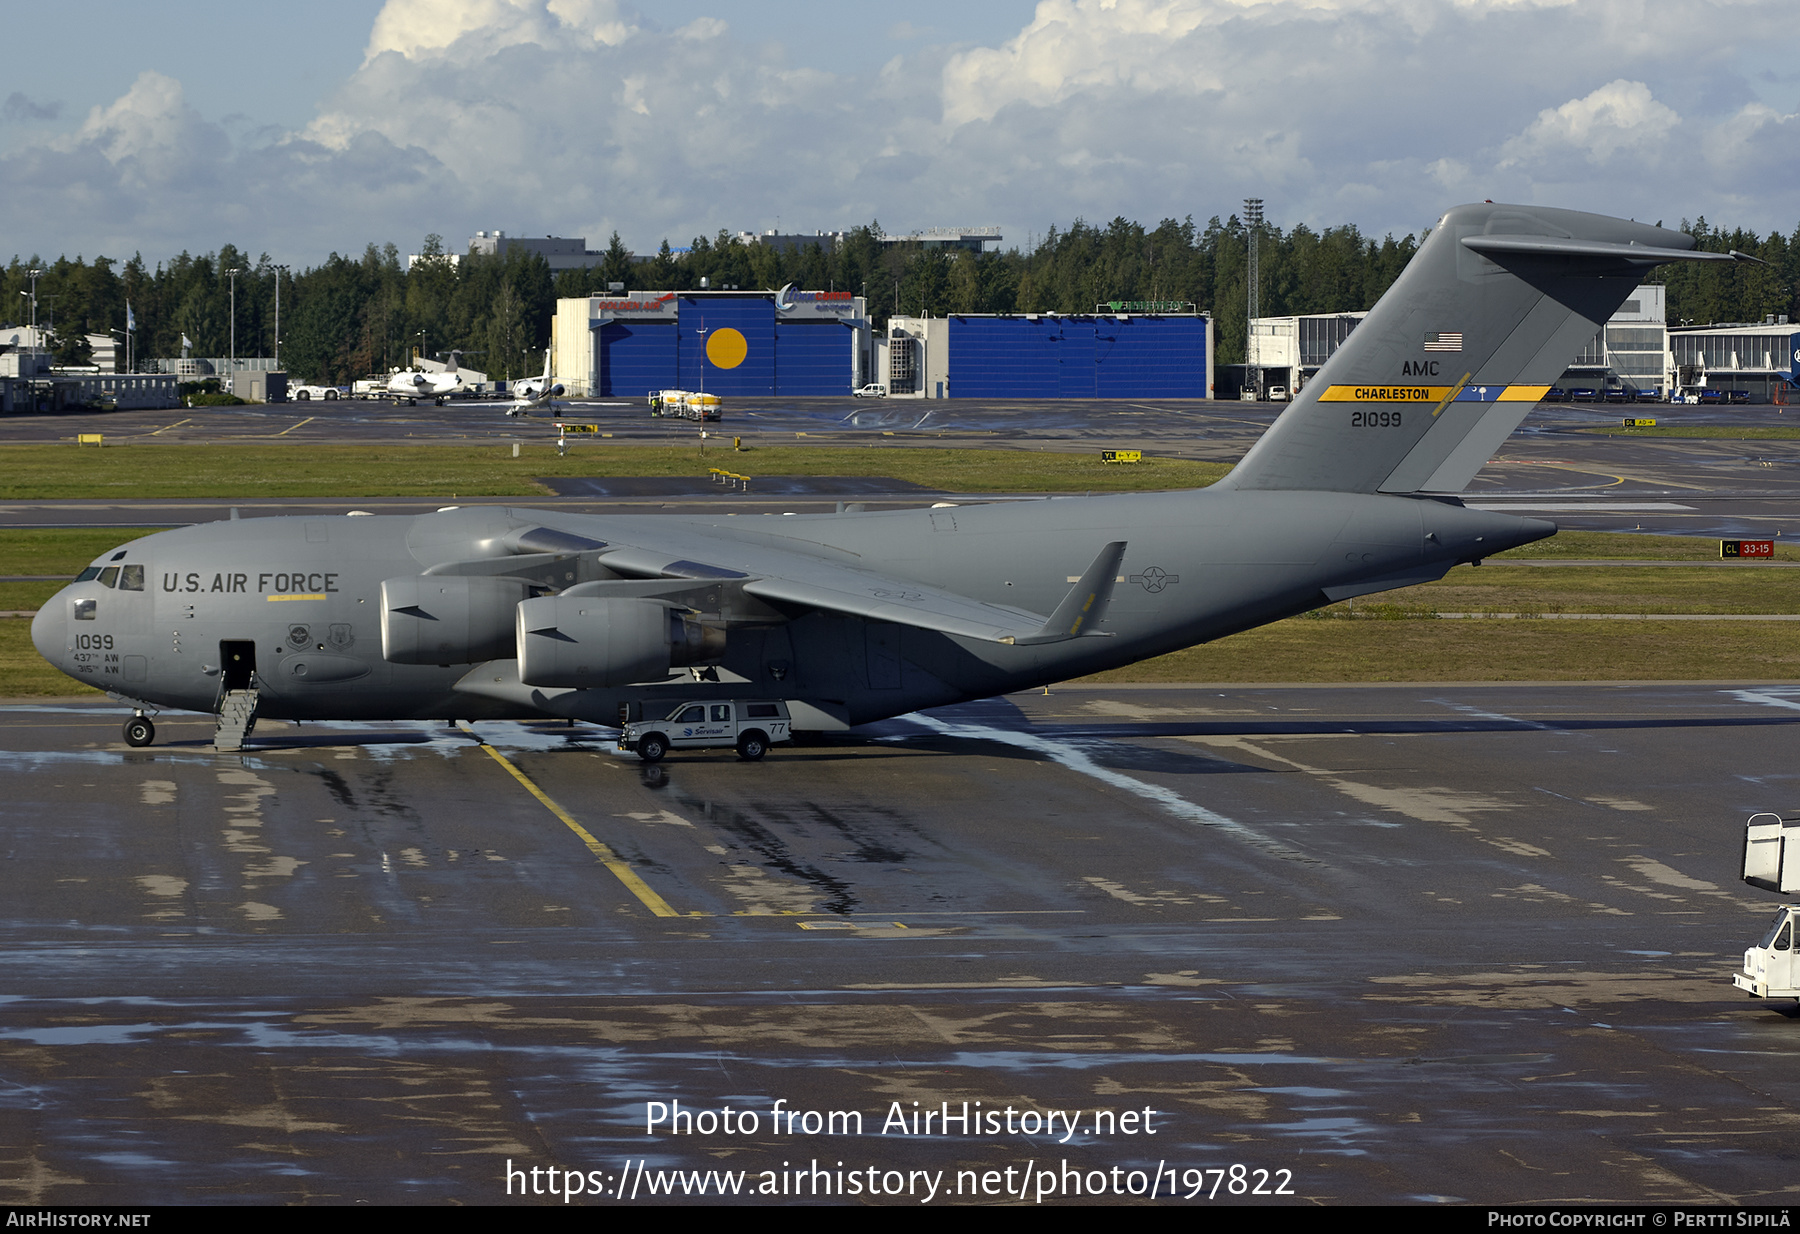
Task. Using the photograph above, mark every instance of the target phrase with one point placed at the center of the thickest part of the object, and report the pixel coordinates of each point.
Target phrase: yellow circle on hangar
(726, 348)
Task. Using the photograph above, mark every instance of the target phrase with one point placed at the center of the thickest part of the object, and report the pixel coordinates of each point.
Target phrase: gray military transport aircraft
(497, 613)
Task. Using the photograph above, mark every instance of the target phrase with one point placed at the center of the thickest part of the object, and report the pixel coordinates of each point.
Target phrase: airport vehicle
(536, 392)
(751, 725)
(1278, 394)
(305, 393)
(1772, 862)
(873, 390)
(497, 612)
(688, 404)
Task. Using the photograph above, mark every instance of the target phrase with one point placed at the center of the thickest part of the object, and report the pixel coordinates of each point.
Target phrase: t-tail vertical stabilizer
(1492, 309)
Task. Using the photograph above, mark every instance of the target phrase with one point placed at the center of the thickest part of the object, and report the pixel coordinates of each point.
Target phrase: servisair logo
(788, 299)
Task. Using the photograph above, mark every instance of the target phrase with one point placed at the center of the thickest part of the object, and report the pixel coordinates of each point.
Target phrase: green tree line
(349, 317)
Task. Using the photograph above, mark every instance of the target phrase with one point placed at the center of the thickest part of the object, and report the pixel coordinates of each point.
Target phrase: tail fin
(1491, 310)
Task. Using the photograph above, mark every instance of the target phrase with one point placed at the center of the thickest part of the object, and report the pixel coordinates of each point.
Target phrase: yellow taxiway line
(611, 860)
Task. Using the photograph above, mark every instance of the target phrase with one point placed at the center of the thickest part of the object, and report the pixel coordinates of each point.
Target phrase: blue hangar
(731, 343)
(1118, 354)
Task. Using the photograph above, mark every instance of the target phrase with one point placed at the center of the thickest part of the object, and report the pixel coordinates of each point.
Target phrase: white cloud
(582, 116)
(424, 29)
(1621, 118)
(149, 122)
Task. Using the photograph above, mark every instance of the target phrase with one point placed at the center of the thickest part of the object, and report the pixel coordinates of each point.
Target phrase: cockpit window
(109, 577)
(85, 610)
(131, 578)
(89, 574)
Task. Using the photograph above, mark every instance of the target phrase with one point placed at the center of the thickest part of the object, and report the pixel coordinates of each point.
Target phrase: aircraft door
(237, 664)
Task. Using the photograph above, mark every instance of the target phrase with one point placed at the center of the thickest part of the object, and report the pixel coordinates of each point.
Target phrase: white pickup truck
(1771, 969)
(751, 725)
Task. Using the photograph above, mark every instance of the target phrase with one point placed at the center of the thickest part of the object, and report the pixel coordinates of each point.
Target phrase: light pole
(231, 378)
(279, 271)
(1253, 217)
(35, 275)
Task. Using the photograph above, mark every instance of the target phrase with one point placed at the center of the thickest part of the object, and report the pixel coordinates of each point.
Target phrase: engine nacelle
(578, 642)
(448, 619)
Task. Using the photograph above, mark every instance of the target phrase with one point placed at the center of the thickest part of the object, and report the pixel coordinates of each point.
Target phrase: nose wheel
(139, 731)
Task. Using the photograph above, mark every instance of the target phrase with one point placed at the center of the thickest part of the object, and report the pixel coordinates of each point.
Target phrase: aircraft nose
(49, 629)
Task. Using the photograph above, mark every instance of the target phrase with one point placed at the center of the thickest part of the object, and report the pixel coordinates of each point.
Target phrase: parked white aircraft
(413, 384)
(536, 392)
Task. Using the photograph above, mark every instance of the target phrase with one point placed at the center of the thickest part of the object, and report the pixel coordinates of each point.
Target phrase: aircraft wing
(904, 603)
(785, 577)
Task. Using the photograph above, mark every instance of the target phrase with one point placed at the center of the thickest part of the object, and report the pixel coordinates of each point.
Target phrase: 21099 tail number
(1374, 419)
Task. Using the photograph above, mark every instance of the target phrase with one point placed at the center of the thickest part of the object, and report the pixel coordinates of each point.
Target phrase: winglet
(1084, 606)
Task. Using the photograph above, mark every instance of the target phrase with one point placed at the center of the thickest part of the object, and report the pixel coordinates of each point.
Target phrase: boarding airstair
(237, 718)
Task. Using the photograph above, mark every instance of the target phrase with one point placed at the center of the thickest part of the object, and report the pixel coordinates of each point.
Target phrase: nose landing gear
(139, 731)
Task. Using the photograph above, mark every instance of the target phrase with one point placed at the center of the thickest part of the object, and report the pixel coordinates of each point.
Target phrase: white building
(1760, 361)
(1633, 345)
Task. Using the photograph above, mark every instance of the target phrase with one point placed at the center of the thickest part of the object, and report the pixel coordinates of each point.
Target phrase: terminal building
(1632, 349)
(1758, 363)
(732, 343)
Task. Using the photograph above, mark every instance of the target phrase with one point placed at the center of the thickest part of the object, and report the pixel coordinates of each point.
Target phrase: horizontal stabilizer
(1552, 246)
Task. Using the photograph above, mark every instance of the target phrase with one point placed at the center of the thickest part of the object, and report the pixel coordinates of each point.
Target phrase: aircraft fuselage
(298, 601)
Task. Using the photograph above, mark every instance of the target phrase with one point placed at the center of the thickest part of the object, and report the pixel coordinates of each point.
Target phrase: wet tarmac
(1421, 943)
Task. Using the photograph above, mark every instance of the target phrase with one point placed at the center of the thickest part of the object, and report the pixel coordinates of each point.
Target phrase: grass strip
(1303, 649)
(1727, 432)
(24, 673)
(306, 469)
(1631, 546)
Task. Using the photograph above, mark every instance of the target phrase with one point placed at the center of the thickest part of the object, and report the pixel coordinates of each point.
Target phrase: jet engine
(448, 619)
(581, 641)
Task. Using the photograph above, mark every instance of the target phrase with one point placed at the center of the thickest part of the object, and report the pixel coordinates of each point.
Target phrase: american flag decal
(1444, 340)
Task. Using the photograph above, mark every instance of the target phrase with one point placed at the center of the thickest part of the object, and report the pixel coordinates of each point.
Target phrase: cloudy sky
(300, 129)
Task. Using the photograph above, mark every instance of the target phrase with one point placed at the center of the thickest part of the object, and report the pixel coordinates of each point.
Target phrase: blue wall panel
(812, 357)
(1150, 357)
(754, 318)
(1004, 357)
(1075, 375)
(1077, 357)
(636, 357)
